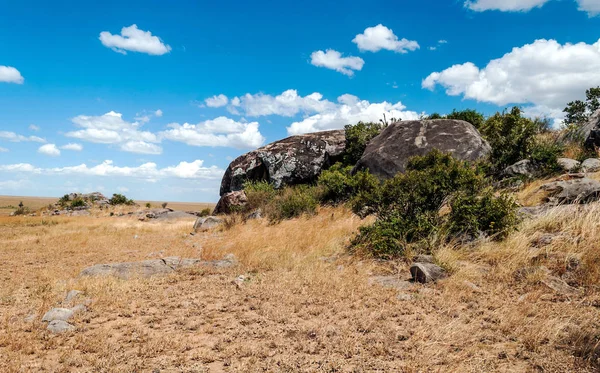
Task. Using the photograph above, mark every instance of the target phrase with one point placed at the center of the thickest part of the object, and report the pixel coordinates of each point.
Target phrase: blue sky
(154, 98)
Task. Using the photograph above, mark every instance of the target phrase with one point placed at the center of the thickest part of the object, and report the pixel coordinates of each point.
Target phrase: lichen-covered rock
(590, 165)
(426, 272)
(568, 164)
(293, 160)
(388, 153)
(63, 314)
(230, 202)
(209, 222)
(580, 190)
(60, 326)
(522, 168)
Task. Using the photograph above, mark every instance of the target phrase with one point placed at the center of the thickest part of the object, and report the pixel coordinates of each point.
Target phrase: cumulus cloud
(13, 137)
(592, 7)
(158, 113)
(333, 60)
(287, 104)
(49, 149)
(9, 74)
(379, 37)
(147, 171)
(3, 150)
(217, 101)
(350, 109)
(111, 128)
(72, 146)
(134, 40)
(545, 74)
(221, 131)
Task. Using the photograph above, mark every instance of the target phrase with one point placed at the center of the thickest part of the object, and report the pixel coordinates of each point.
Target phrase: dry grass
(305, 306)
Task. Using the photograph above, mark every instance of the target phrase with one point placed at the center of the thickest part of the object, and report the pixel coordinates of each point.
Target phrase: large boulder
(388, 153)
(230, 202)
(294, 160)
(580, 190)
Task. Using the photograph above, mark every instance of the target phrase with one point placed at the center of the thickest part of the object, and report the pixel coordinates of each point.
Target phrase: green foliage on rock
(408, 206)
(120, 199)
(77, 202)
(280, 204)
(468, 115)
(357, 138)
(578, 112)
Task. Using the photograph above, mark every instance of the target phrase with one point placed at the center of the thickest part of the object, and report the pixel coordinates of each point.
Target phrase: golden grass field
(306, 306)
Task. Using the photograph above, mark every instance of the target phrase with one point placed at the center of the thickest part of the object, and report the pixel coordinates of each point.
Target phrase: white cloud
(217, 101)
(72, 146)
(379, 37)
(13, 137)
(3, 150)
(9, 74)
(350, 110)
(504, 5)
(34, 128)
(545, 74)
(135, 40)
(592, 7)
(221, 131)
(287, 104)
(17, 185)
(110, 128)
(333, 60)
(158, 113)
(49, 149)
(439, 44)
(147, 171)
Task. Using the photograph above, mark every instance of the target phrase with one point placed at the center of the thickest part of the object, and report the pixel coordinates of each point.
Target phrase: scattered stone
(544, 240)
(591, 165)
(207, 223)
(63, 314)
(393, 282)
(80, 308)
(72, 295)
(568, 164)
(60, 326)
(521, 168)
(230, 202)
(293, 160)
(149, 268)
(239, 281)
(426, 272)
(560, 286)
(582, 190)
(254, 215)
(388, 153)
(421, 258)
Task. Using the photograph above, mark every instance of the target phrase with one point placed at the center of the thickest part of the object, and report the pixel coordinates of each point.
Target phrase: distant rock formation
(388, 153)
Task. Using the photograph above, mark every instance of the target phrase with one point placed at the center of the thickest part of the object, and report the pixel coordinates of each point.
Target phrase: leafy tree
(472, 116)
(119, 199)
(357, 137)
(578, 112)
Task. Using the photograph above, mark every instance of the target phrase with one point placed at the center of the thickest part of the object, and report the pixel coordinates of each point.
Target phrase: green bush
(292, 202)
(148, 205)
(468, 115)
(77, 202)
(338, 185)
(357, 138)
(408, 206)
(64, 200)
(205, 212)
(119, 199)
(545, 153)
(259, 194)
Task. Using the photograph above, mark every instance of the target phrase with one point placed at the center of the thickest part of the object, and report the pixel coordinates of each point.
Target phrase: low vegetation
(120, 199)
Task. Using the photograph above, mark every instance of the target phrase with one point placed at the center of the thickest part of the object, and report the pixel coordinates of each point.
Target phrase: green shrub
(259, 194)
(205, 212)
(292, 202)
(338, 185)
(148, 205)
(408, 206)
(64, 200)
(77, 202)
(357, 138)
(22, 210)
(119, 199)
(468, 115)
(545, 153)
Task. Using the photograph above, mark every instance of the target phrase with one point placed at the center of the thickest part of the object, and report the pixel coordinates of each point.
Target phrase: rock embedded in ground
(522, 168)
(230, 202)
(254, 215)
(62, 314)
(422, 258)
(590, 165)
(72, 295)
(582, 190)
(568, 164)
(560, 286)
(60, 326)
(388, 153)
(154, 267)
(207, 223)
(293, 160)
(426, 272)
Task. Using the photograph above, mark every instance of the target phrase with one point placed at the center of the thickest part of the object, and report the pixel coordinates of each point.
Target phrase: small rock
(573, 191)
(568, 164)
(521, 168)
(239, 281)
(62, 314)
(560, 286)
(591, 165)
(209, 222)
(423, 259)
(544, 240)
(393, 282)
(72, 295)
(79, 308)
(59, 326)
(255, 215)
(426, 272)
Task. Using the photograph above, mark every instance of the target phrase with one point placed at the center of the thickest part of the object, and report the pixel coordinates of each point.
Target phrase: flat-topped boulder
(293, 160)
(388, 153)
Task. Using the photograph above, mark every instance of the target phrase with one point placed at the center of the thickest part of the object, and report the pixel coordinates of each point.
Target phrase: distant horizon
(154, 100)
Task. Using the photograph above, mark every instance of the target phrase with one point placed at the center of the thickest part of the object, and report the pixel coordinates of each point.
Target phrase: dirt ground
(305, 304)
